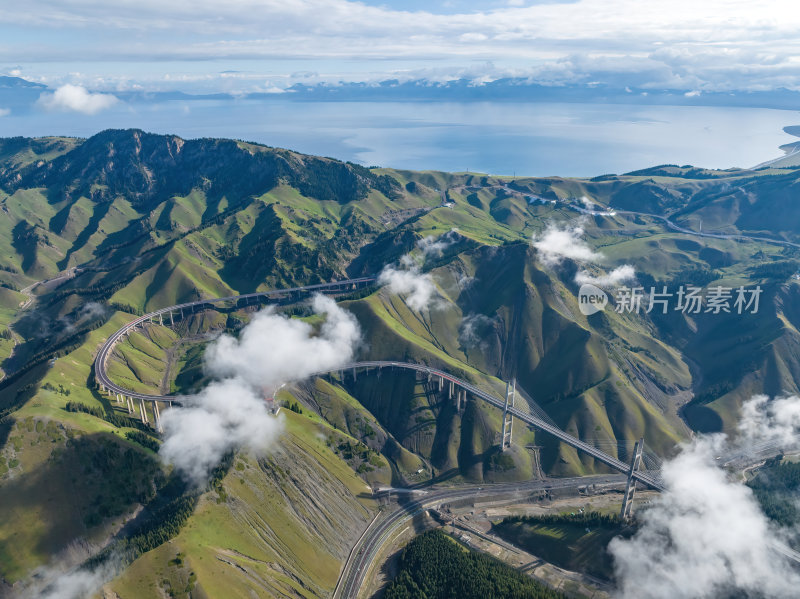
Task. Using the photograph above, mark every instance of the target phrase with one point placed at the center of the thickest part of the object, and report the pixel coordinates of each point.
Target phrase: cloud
(409, 280)
(272, 349)
(75, 98)
(465, 281)
(230, 413)
(417, 287)
(619, 275)
(5, 112)
(227, 415)
(774, 421)
(557, 243)
(92, 310)
(473, 329)
(432, 247)
(705, 536)
(51, 583)
(714, 45)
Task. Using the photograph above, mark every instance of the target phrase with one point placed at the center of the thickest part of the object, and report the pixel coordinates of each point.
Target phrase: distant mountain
(19, 95)
(22, 93)
(525, 90)
(19, 83)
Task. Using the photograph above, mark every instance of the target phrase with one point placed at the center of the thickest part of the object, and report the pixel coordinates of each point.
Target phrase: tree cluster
(433, 566)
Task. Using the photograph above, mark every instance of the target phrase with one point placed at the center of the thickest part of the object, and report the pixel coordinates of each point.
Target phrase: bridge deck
(105, 351)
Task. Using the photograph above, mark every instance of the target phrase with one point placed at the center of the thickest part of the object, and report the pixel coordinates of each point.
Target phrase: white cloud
(619, 275)
(230, 413)
(770, 421)
(718, 44)
(432, 247)
(409, 280)
(52, 583)
(5, 112)
(471, 331)
(92, 310)
(417, 287)
(76, 99)
(272, 349)
(557, 243)
(472, 36)
(705, 536)
(225, 416)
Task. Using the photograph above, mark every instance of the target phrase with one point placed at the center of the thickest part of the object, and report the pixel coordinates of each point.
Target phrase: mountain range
(93, 231)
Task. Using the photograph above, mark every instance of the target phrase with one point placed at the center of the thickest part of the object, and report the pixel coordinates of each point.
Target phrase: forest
(434, 566)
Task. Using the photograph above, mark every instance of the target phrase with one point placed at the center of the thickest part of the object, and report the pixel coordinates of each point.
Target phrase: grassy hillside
(573, 541)
(148, 221)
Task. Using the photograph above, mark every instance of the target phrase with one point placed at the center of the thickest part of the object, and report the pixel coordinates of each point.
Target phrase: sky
(241, 46)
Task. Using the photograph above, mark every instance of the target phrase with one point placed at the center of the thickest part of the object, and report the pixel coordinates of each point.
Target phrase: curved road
(371, 541)
(106, 384)
(101, 360)
(380, 530)
(608, 211)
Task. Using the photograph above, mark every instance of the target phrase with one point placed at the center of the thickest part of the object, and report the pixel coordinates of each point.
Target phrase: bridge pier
(157, 417)
(441, 383)
(143, 412)
(630, 488)
(129, 401)
(508, 419)
(450, 391)
(354, 374)
(161, 319)
(171, 320)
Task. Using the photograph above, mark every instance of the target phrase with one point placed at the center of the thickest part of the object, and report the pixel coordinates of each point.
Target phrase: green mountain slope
(149, 221)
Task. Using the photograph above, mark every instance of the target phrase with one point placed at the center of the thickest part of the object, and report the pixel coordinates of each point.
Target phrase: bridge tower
(630, 488)
(508, 419)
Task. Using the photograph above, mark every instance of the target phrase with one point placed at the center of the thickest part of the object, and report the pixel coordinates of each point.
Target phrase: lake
(493, 137)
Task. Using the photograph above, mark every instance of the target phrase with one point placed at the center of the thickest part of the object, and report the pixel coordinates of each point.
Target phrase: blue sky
(242, 46)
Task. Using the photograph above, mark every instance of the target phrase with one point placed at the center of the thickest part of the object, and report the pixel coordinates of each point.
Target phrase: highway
(362, 555)
(381, 529)
(649, 479)
(106, 350)
(107, 384)
(686, 231)
(665, 219)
